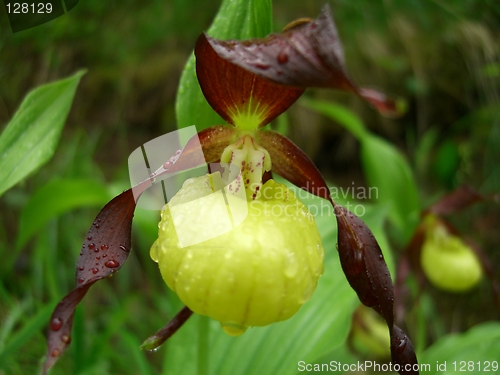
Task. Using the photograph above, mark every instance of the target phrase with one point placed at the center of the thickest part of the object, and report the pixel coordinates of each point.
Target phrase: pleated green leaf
(387, 170)
(474, 352)
(31, 137)
(56, 198)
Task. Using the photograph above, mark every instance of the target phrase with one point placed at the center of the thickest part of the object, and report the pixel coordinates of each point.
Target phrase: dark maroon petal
(366, 271)
(308, 55)
(213, 141)
(456, 201)
(402, 352)
(364, 265)
(61, 321)
(166, 332)
(104, 251)
(293, 164)
(385, 105)
(232, 90)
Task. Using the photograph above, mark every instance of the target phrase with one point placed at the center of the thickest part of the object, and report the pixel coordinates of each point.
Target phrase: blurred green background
(441, 56)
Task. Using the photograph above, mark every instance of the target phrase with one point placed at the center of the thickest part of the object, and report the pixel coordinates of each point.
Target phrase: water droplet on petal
(291, 265)
(94, 270)
(358, 256)
(80, 280)
(402, 345)
(124, 248)
(56, 324)
(261, 66)
(306, 296)
(91, 246)
(233, 329)
(55, 353)
(153, 253)
(89, 238)
(81, 268)
(66, 339)
(104, 247)
(282, 57)
(111, 264)
(167, 165)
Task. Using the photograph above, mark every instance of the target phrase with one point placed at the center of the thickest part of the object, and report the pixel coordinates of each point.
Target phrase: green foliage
(384, 166)
(31, 137)
(31, 327)
(240, 19)
(339, 113)
(54, 199)
(386, 169)
(476, 347)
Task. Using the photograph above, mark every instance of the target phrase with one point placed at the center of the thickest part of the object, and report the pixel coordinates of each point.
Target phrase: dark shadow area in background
(27, 14)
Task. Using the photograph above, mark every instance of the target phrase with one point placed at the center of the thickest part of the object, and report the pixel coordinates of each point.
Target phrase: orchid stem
(163, 334)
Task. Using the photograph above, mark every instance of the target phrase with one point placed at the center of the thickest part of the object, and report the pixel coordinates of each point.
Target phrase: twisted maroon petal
(366, 271)
(290, 162)
(104, 251)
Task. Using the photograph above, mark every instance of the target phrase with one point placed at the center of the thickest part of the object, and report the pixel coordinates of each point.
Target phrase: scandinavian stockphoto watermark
(25, 14)
(159, 168)
(157, 172)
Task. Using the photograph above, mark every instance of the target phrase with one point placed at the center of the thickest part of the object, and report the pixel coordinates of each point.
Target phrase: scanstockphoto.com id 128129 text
(361, 366)
(471, 367)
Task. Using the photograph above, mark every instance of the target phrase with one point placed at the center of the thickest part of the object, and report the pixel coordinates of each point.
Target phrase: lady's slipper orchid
(256, 274)
(441, 254)
(447, 261)
(267, 266)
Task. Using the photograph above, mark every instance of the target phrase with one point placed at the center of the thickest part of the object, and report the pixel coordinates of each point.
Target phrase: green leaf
(237, 19)
(26, 333)
(475, 347)
(387, 170)
(56, 198)
(31, 137)
(342, 115)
